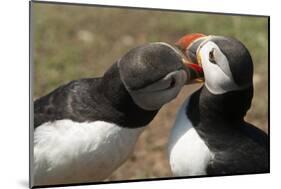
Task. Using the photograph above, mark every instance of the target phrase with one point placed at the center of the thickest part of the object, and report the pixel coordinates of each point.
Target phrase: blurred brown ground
(72, 42)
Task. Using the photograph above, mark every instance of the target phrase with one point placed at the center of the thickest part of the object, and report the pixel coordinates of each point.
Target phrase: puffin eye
(173, 82)
(212, 56)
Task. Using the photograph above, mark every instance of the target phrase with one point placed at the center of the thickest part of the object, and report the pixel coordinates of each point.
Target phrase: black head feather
(240, 60)
(146, 64)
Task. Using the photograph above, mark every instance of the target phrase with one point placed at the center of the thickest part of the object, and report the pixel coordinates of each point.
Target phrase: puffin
(210, 136)
(84, 130)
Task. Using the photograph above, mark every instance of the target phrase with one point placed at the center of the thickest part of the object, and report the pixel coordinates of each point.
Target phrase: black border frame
(137, 8)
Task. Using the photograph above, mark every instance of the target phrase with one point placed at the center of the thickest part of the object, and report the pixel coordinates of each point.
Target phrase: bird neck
(127, 113)
(229, 107)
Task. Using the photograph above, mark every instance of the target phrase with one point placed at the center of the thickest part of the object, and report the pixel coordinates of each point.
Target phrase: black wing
(246, 152)
(65, 102)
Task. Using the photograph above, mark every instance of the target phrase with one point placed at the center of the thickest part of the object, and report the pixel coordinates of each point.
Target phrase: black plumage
(106, 98)
(237, 55)
(238, 146)
(92, 99)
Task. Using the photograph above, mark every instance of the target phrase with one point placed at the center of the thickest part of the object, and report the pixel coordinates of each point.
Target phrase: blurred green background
(72, 42)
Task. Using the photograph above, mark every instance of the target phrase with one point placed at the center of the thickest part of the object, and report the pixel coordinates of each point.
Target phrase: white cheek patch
(179, 77)
(157, 94)
(218, 77)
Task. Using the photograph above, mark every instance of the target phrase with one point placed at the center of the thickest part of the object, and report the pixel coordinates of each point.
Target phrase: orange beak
(188, 45)
(184, 42)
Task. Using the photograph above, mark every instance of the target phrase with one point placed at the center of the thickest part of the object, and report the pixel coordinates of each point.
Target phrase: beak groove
(188, 45)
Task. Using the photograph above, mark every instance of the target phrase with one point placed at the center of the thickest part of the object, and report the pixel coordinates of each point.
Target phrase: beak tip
(195, 71)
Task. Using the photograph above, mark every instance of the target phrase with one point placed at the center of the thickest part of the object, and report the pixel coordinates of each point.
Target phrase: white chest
(188, 154)
(71, 152)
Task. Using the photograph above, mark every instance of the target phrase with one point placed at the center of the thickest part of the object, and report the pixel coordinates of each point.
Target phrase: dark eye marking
(173, 82)
(212, 57)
